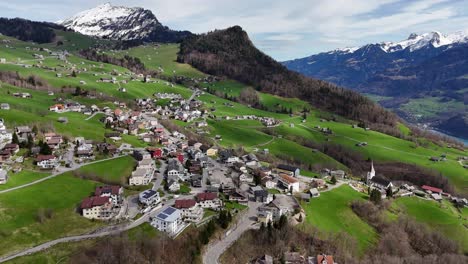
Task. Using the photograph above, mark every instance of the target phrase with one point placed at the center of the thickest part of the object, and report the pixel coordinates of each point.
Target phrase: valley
(205, 146)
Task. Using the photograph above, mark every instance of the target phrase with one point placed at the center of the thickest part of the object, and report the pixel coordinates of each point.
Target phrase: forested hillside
(231, 53)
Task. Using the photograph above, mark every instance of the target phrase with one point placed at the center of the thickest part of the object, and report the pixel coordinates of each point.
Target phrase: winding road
(218, 247)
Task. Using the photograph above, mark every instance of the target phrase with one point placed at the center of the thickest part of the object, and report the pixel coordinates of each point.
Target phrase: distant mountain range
(430, 66)
(122, 23)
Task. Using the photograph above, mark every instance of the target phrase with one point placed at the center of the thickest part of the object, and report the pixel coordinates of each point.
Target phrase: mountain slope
(430, 65)
(122, 23)
(231, 53)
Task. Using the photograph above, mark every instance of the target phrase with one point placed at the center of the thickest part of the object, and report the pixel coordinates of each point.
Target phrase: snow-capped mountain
(122, 23)
(414, 42)
(426, 65)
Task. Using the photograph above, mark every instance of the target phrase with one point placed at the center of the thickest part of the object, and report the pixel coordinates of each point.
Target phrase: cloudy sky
(283, 29)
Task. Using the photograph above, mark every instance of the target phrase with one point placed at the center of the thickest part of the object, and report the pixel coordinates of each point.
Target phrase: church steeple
(371, 173)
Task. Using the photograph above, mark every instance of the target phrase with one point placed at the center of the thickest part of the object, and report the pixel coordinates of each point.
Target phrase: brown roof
(328, 258)
(206, 196)
(11, 146)
(114, 189)
(185, 203)
(90, 202)
(288, 178)
(44, 157)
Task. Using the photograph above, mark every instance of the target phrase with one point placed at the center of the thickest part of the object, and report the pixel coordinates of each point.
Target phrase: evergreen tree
(333, 180)
(30, 143)
(375, 196)
(389, 192)
(45, 149)
(15, 139)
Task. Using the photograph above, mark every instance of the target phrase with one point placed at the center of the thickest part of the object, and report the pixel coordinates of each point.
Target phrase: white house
(169, 221)
(149, 197)
(289, 182)
(47, 162)
(189, 210)
(97, 207)
(141, 176)
(113, 191)
(209, 200)
(174, 186)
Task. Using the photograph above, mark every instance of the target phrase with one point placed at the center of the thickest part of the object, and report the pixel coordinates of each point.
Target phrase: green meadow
(331, 212)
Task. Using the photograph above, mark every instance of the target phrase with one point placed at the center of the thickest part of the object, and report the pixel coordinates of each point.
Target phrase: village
(182, 181)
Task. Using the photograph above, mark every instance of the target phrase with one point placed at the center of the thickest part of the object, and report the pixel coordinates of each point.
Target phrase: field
(442, 217)
(20, 210)
(161, 56)
(431, 107)
(331, 212)
(115, 170)
(23, 177)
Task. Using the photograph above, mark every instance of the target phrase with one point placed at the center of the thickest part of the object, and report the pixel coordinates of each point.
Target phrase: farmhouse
(96, 207)
(169, 221)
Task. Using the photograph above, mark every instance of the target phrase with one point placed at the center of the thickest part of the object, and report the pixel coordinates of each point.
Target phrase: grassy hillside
(331, 212)
(115, 170)
(442, 217)
(23, 177)
(20, 224)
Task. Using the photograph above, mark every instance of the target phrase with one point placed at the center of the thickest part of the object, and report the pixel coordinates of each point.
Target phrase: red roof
(117, 112)
(432, 189)
(206, 196)
(328, 258)
(44, 157)
(185, 203)
(93, 201)
(114, 189)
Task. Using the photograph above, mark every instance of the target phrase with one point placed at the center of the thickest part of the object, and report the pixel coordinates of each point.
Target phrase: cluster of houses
(184, 211)
(266, 121)
(104, 204)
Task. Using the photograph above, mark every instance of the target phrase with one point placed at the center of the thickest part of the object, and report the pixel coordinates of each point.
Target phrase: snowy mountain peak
(114, 22)
(416, 41)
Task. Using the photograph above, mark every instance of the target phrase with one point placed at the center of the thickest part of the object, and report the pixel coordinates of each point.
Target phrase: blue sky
(282, 29)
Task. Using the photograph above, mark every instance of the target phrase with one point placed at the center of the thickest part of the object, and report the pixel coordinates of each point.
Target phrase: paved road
(93, 115)
(57, 173)
(217, 248)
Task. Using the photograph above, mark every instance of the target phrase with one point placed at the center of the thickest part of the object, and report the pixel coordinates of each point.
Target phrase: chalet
(57, 108)
(209, 200)
(265, 216)
(169, 221)
(113, 191)
(47, 161)
(141, 176)
(289, 183)
(290, 170)
(190, 210)
(149, 197)
(97, 207)
(281, 205)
